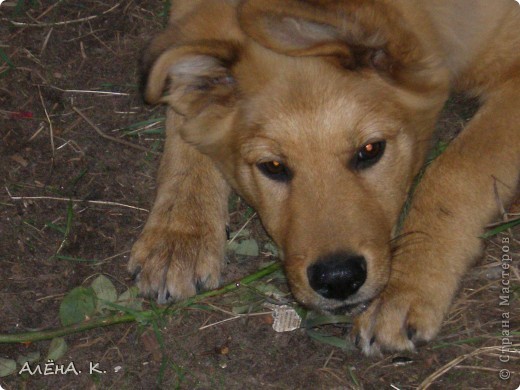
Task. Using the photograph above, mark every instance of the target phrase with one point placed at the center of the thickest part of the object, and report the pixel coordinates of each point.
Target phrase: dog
(320, 113)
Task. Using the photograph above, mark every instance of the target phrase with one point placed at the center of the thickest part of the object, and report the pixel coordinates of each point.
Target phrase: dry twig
(22, 24)
(113, 139)
(134, 315)
(100, 202)
(447, 367)
(51, 131)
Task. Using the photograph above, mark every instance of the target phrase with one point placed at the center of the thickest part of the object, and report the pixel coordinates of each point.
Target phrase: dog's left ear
(357, 34)
(196, 81)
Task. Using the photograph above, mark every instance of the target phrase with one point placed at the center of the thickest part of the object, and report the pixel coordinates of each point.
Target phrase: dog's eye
(369, 154)
(275, 170)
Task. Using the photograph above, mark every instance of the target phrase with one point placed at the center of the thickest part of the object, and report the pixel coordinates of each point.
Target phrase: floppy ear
(356, 34)
(195, 80)
(190, 78)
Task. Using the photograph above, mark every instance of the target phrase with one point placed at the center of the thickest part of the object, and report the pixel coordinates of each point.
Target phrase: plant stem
(28, 337)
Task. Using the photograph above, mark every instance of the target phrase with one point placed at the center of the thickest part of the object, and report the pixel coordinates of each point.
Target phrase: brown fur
(307, 84)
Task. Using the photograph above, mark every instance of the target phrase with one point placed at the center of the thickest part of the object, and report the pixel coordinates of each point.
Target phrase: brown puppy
(319, 113)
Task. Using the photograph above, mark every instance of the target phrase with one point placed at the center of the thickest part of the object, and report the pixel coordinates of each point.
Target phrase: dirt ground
(64, 61)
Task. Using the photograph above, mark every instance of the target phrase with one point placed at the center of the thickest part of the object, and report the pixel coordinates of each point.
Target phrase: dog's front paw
(398, 320)
(170, 265)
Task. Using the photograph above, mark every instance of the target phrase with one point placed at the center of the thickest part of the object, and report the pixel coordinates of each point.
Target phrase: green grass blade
(337, 342)
(76, 259)
(501, 228)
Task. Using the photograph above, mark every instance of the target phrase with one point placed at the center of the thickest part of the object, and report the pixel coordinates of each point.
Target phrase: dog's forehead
(309, 99)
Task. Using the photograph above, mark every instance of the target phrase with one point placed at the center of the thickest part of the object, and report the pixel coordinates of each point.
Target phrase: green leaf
(31, 357)
(331, 340)
(245, 247)
(68, 227)
(159, 130)
(77, 305)
(4, 57)
(105, 291)
(57, 348)
(58, 228)
(314, 320)
(271, 248)
(130, 300)
(131, 293)
(270, 290)
(7, 367)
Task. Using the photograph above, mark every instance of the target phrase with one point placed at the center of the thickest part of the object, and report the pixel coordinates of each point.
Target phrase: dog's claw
(136, 274)
(357, 340)
(411, 332)
(199, 286)
(163, 296)
(166, 269)
(228, 232)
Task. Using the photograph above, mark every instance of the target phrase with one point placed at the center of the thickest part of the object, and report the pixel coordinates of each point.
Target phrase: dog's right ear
(191, 78)
(355, 34)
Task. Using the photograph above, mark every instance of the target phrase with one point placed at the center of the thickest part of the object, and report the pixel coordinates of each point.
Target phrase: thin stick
(114, 139)
(21, 24)
(51, 131)
(112, 257)
(101, 202)
(447, 367)
(236, 317)
(126, 318)
(242, 228)
(474, 368)
(49, 9)
(46, 41)
(93, 92)
(328, 359)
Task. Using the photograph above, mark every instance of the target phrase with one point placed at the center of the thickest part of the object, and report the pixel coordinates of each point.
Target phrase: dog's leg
(457, 197)
(181, 248)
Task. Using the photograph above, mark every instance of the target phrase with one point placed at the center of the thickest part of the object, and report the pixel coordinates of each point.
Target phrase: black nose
(338, 275)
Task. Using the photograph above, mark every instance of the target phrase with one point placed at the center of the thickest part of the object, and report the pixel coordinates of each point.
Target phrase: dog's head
(319, 116)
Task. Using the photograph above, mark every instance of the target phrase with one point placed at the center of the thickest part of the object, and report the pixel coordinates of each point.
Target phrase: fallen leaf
(245, 247)
(105, 291)
(7, 367)
(57, 348)
(78, 304)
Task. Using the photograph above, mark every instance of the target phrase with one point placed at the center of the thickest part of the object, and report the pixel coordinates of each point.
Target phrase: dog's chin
(353, 306)
(350, 308)
(339, 308)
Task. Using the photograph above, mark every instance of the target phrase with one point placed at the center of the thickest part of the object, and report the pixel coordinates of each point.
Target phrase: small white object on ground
(286, 319)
